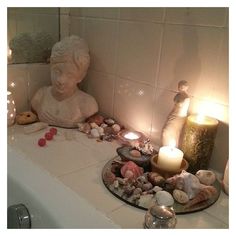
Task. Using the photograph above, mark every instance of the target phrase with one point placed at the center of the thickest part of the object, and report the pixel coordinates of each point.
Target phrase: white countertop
(77, 162)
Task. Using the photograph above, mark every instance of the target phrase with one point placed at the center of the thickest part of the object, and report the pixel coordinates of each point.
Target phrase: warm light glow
(172, 143)
(12, 84)
(9, 53)
(208, 107)
(131, 136)
(200, 118)
(8, 93)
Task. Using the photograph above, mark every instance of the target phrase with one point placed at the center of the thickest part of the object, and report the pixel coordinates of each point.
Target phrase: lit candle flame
(172, 144)
(131, 136)
(200, 118)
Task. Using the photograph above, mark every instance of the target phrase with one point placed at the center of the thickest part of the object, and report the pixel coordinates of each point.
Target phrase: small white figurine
(176, 119)
(64, 104)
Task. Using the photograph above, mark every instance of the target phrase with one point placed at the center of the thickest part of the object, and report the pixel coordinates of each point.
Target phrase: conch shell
(130, 170)
(186, 182)
(206, 177)
(205, 194)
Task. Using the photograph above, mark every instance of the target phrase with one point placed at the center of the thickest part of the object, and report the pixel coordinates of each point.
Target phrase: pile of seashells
(100, 128)
(129, 181)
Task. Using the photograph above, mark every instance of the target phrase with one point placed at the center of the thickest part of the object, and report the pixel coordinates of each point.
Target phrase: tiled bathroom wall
(138, 55)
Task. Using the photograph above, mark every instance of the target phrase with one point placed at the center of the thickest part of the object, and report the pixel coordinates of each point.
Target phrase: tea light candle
(198, 141)
(169, 158)
(131, 136)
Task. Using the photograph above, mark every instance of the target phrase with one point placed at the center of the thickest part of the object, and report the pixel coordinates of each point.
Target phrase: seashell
(84, 127)
(135, 197)
(157, 189)
(108, 131)
(128, 189)
(156, 179)
(147, 186)
(109, 177)
(94, 133)
(93, 125)
(137, 191)
(206, 177)
(135, 153)
(116, 184)
(146, 200)
(98, 119)
(130, 170)
(100, 131)
(180, 196)
(205, 194)
(116, 128)
(187, 182)
(109, 121)
(164, 198)
(103, 125)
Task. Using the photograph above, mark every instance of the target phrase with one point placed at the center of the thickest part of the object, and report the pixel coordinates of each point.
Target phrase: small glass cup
(160, 217)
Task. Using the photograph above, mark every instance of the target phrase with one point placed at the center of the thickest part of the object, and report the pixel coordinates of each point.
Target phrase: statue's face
(64, 78)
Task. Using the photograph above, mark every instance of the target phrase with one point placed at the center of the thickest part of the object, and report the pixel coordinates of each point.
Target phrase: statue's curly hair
(73, 49)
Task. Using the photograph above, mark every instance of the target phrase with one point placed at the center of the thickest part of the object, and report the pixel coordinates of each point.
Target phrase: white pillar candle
(169, 158)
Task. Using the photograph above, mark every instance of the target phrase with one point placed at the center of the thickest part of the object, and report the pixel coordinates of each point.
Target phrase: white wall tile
(190, 53)
(197, 16)
(220, 91)
(150, 14)
(17, 82)
(98, 12)
(101, 86)
(138, 51)
(101, 36)
(133, 105)
(77, 26)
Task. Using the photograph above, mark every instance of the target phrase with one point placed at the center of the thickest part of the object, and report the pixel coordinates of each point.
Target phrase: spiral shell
(180, 196)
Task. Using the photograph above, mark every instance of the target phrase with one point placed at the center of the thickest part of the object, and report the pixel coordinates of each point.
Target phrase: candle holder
(11, 109)
(142, 160)
(127, 137)
(198, 141)
(167, 173)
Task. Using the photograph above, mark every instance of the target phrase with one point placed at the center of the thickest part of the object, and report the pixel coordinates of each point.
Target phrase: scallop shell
(180, 196)
(164, 198)
(206, 177)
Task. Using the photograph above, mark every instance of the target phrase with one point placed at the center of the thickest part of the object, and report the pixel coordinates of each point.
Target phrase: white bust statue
(63, 103)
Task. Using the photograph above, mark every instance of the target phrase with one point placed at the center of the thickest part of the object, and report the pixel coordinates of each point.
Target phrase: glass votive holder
(11, 109)
(160, 217)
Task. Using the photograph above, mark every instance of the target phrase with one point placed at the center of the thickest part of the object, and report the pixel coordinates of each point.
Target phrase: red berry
(48, 136)
(42, 142)
(53, 131)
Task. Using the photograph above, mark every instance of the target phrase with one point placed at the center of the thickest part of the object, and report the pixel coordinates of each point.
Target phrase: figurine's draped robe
(176, 119)
(65, 113)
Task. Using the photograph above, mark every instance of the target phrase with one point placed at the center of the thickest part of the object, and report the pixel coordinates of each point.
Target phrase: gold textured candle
(198, 141)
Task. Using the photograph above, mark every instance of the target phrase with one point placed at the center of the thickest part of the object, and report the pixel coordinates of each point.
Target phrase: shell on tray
(164, 198)
(156, 179)
(187, 182)
(130, 170)
(180, 196)
(206, 193)
(206, 177)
